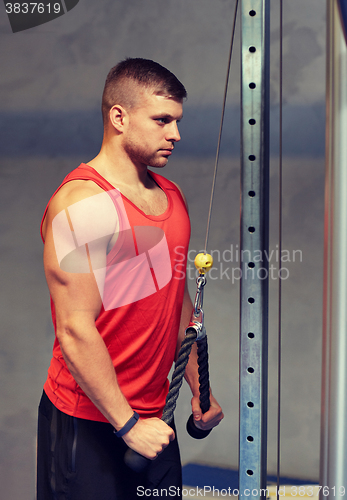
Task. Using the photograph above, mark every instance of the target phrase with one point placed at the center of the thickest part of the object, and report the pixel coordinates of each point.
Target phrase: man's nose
(173, 133)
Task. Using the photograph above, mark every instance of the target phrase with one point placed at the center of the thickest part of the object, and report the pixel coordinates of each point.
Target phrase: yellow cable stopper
(203, 262)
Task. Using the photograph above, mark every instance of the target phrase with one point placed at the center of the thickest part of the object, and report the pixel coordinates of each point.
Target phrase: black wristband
(129, 425)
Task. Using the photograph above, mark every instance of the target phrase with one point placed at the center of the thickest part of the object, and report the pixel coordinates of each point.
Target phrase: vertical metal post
(333, 460)
(254, 244)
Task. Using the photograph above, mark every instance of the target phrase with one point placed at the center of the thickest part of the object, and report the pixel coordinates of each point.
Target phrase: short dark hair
(143, 72)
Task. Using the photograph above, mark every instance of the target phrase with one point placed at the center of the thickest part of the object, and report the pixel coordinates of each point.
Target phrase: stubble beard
(137, 154)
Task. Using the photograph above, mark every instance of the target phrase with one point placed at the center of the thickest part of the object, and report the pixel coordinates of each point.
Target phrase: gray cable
(220, 128)
(280, 254)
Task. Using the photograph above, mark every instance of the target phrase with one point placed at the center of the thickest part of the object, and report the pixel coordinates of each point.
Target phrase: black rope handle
(133, 459)
(178, 374)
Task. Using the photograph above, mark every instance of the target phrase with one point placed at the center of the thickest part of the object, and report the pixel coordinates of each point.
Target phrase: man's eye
(162, 120)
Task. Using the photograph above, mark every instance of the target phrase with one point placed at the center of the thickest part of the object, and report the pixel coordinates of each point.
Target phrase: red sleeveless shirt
(141, 307)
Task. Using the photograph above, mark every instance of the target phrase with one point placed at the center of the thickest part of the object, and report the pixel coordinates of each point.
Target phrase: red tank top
(142, 301)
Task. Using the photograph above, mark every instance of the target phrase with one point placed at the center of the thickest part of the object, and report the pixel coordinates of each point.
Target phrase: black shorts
(80, 459)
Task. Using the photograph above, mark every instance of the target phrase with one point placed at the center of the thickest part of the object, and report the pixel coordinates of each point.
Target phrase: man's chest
(151, 201)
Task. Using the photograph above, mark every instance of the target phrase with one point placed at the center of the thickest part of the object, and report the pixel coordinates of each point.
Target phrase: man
(119, 304)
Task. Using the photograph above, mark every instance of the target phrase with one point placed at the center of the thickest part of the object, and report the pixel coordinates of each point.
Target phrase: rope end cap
(203, 262)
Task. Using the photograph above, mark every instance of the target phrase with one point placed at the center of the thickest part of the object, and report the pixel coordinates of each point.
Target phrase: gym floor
(214, 482)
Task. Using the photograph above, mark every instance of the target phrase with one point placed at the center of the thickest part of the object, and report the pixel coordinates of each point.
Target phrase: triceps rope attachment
(195, 332)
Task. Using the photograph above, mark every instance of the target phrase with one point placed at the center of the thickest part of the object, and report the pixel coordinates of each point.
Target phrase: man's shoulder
(83, 198)
(76, 190)
(79, 183)
(86, 208)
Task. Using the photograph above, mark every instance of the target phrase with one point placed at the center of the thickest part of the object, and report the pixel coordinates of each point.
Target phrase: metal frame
(255, 18)
(333, 463)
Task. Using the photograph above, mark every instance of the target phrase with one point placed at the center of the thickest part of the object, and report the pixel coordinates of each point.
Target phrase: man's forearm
(90, 364)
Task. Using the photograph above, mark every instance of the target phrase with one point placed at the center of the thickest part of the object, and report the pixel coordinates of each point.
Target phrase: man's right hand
(149, 437)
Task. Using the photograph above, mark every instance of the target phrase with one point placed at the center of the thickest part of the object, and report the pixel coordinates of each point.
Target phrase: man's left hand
(210, 419)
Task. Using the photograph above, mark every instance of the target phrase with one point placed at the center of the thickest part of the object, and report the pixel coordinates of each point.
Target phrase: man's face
(152, 130)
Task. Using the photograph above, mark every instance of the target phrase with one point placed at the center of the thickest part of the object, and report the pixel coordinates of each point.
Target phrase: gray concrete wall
(51, 81)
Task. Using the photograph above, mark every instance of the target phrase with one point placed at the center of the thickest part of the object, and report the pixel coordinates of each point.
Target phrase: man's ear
(118, 117)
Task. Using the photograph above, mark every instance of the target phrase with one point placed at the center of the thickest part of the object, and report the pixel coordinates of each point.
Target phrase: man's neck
(117, 169)
(134, 183)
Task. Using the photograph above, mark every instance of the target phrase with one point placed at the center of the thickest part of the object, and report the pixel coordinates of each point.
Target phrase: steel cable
(279, 374)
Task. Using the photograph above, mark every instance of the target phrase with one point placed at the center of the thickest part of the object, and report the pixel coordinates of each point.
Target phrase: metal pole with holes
(254, 247)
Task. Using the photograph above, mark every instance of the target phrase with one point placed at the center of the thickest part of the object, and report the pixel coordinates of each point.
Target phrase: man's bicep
(71, 291)
(81, 233)
(75, 256)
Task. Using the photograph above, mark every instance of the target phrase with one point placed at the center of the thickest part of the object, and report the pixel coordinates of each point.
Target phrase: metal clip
(199, 296)
(197, 318)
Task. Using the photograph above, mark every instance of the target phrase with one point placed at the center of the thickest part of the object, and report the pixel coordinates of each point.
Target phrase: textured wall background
(51, 82)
